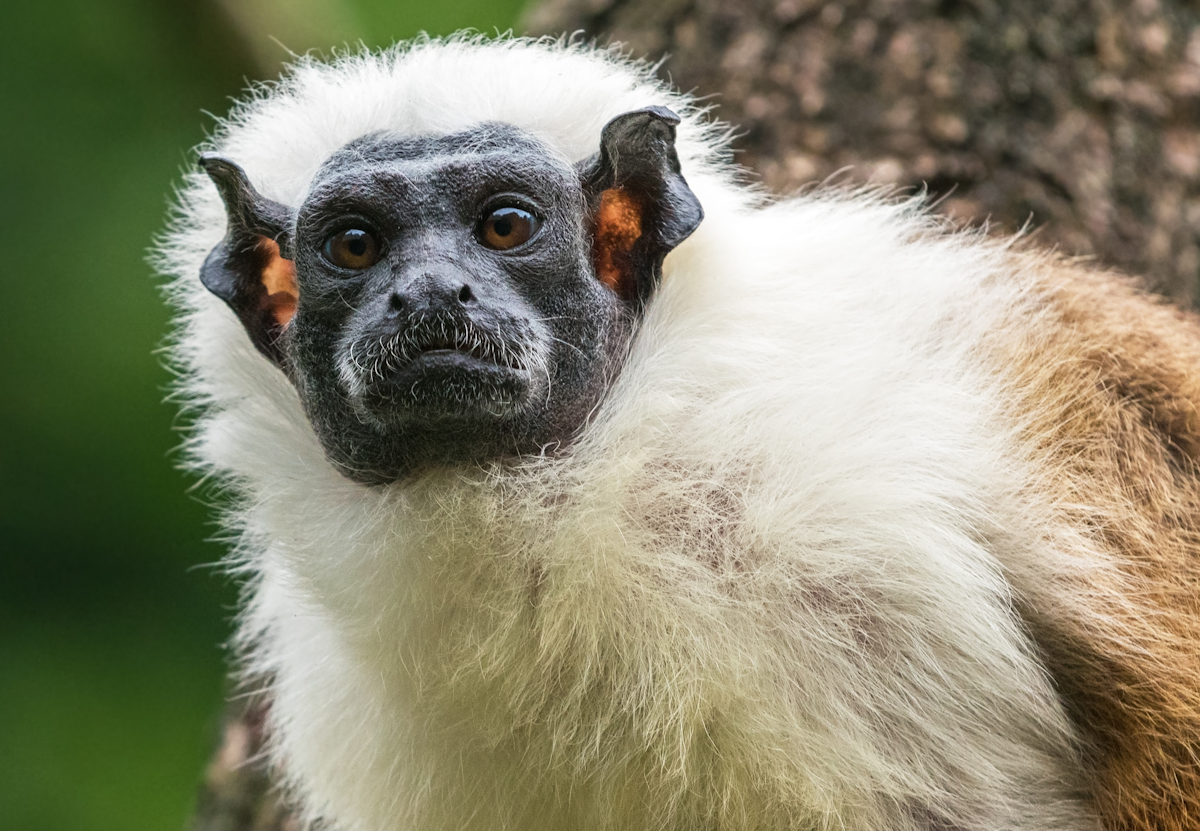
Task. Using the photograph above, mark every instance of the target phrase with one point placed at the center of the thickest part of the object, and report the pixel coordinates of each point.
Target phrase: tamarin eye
(507, 227)
(353, 248)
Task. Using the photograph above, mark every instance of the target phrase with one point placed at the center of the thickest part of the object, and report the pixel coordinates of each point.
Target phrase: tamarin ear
(250, 269)
(639, 205)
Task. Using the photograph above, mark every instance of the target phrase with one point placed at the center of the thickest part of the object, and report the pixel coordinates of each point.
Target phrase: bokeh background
(112, 673)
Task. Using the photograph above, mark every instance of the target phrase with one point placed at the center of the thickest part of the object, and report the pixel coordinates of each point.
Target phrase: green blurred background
(112, 673)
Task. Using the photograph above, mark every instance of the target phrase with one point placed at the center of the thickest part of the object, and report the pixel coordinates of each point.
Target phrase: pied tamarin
(581, 486)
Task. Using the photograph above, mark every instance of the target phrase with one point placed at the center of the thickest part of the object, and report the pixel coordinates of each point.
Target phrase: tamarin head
(453, 298)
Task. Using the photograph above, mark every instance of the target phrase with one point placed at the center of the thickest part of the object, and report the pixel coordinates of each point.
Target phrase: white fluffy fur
(771, 586)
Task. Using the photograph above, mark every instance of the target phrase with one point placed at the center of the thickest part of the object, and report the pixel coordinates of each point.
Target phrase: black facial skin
(449, 309)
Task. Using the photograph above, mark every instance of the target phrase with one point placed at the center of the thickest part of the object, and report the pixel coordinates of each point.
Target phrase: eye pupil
(353, 249)
(507, 227)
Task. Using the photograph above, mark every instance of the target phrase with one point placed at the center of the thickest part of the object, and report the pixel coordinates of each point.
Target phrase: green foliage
(111, 673)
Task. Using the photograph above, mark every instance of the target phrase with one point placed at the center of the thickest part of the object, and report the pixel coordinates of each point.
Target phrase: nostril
(397, 302)
(465, 295)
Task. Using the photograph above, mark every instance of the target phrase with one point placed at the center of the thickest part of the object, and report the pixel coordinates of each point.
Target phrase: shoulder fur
(1106, 389)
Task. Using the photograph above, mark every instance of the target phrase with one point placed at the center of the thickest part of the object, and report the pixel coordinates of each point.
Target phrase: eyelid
(509, 199)
(347, 221)
(338, 223)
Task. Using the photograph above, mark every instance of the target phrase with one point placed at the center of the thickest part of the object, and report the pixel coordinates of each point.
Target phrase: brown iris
(507, 227)
(353, 248)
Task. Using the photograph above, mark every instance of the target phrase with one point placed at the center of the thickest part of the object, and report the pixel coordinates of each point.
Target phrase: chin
(445, 385)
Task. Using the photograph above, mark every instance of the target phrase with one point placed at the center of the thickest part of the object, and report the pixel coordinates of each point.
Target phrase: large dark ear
(249, 269)
(639, 205)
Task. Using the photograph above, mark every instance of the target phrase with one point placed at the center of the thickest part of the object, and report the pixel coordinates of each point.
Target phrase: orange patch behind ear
(618, 226)
(279, 280)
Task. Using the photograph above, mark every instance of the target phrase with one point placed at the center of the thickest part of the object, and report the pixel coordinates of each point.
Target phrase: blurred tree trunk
(1081, 117)
(238, 793)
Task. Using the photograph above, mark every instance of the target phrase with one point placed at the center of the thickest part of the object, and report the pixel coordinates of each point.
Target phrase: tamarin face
(453, 298)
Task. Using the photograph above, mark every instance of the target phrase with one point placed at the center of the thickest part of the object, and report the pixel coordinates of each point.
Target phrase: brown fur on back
(1106, 392)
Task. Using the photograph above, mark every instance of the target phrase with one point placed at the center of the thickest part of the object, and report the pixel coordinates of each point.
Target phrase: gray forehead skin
(486, 138)
(489, 158)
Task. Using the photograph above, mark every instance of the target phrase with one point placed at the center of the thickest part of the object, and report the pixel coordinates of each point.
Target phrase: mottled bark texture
(1079, 117)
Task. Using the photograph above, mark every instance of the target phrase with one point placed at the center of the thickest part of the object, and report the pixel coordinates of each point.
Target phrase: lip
(439, 384)
(446, 356)
(445, 346)
(441, 365)
(432, 362)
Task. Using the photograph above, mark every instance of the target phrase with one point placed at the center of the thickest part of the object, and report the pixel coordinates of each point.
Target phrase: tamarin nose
(431, 293)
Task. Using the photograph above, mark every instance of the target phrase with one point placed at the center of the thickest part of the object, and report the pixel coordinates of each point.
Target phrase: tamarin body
(581, 486)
